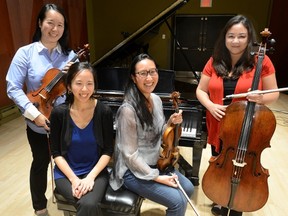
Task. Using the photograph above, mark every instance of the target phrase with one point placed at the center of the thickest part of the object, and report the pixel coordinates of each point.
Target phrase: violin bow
(189, 201)
(241, 95)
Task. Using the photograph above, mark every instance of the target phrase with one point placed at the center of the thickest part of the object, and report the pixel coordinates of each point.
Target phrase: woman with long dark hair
(230, 70)
(140, 124)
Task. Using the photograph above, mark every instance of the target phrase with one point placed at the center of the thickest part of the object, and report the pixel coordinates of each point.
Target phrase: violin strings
(54, 81)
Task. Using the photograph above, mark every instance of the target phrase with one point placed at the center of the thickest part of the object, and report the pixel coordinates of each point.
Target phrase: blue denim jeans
(172, 198)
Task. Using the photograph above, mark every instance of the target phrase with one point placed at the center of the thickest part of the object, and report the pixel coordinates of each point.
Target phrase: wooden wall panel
(17, 25)
(6, 50)
(20, 16)
(277, 27)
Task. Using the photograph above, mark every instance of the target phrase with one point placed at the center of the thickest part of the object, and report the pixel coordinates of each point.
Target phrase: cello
(52, 86)
(235, 178)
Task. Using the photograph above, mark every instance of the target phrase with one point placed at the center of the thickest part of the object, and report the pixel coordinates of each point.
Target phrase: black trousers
(38, 171)
(87, 205)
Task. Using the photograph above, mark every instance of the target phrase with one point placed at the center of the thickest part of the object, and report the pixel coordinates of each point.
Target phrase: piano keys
(192, 120)
(192, 117)
(188, 127)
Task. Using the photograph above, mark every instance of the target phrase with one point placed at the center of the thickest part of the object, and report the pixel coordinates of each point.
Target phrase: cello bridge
(235, 163)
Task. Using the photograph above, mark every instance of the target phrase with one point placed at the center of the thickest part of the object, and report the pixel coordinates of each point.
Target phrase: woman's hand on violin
(167, 180)
(217, 111)
(67, 66)
(42, 121)
(176, 118)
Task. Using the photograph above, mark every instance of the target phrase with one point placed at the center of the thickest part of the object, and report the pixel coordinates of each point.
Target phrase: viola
(236, 179)
(52, 86)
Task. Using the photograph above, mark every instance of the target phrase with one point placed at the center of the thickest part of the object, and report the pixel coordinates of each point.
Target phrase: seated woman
(81, 139)
(140, 123)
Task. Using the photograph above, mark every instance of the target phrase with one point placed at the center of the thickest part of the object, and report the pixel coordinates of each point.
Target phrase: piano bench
(119, 203)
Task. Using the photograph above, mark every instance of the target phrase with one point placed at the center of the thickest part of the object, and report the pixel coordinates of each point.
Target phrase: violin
(235, 178)
(170, 153)
(52, 86)
(170, 140)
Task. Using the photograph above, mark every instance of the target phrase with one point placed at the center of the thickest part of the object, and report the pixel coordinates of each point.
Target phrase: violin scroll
(175, 99)
(83, 54)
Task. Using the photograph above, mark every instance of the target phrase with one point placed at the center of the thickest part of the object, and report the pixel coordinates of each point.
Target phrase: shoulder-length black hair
(72, 72)
(221, 57)
(63, 41)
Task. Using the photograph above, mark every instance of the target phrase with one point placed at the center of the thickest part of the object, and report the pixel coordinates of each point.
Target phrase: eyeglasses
(143, 74)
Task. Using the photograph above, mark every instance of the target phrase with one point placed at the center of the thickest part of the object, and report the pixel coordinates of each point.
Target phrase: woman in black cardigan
(82, 141)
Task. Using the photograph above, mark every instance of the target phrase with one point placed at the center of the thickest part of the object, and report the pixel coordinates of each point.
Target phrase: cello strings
(238, 164)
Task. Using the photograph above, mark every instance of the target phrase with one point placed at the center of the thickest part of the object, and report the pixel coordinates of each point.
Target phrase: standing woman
(140, 123)
(82, 141)
(230, 70)
(28, 67)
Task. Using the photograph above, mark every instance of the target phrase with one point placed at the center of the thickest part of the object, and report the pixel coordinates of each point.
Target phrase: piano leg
(192, 172)
(185, 168)
(197, 155)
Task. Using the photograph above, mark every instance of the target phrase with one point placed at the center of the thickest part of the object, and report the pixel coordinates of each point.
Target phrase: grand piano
(112, 78)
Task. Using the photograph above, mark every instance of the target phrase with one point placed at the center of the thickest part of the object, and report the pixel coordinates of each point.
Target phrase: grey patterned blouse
(137, 148)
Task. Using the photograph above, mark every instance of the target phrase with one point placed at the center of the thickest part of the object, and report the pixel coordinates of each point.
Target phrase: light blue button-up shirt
(27, 69)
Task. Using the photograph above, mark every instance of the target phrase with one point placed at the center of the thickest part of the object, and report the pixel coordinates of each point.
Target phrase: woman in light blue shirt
(28, 67)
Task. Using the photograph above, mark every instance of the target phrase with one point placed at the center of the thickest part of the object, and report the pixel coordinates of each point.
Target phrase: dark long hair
(221, 57)
(135, 97)
(63, 41)
(72, 72)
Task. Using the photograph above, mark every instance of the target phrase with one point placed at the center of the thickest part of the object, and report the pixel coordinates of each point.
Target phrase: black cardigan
(61, 129)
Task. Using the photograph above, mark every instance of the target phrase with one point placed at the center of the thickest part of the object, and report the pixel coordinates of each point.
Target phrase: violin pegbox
(175, 99)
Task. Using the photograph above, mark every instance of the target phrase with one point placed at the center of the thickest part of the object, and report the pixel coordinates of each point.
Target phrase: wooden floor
(15, 159)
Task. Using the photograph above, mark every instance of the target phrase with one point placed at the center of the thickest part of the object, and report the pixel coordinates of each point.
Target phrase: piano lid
(113, 54)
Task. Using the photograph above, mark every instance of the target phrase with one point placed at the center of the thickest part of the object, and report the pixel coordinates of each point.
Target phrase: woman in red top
(230, 70)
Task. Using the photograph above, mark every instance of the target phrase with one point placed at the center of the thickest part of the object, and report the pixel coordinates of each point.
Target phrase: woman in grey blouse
(140, 123)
